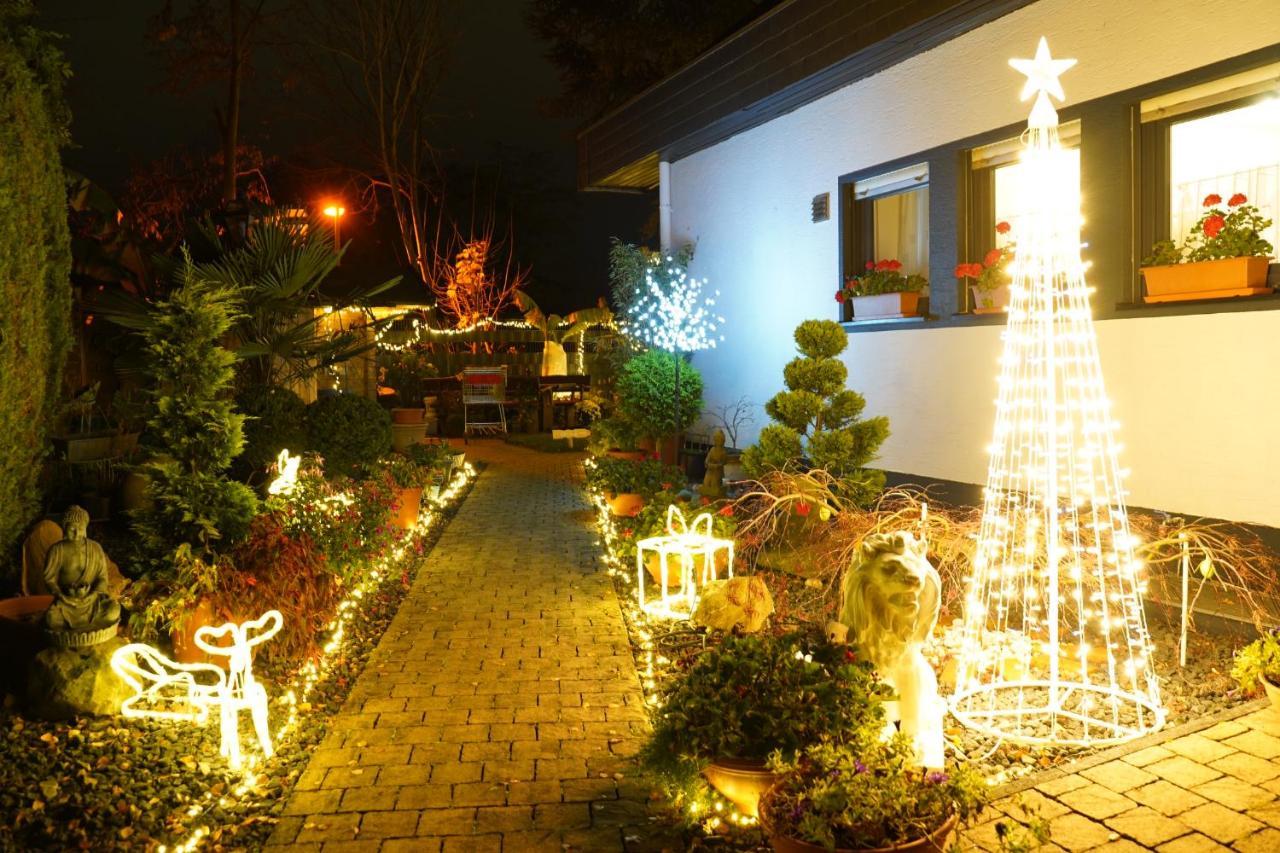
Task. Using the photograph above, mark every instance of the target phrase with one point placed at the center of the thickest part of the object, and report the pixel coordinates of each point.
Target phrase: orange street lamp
(336, 212)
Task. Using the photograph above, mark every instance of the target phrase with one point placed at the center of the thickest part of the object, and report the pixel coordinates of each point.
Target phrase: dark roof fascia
(867, 37)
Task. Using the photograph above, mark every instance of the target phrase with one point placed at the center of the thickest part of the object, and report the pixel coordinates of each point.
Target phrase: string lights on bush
(1055, 647)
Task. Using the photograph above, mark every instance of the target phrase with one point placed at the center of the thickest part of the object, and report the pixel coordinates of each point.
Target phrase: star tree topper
(1042, 81)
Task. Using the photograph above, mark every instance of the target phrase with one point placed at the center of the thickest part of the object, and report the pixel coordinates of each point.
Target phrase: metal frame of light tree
(674, 316)
(1055, 647)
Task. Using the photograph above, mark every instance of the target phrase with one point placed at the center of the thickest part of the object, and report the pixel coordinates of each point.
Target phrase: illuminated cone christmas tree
(1054, 641)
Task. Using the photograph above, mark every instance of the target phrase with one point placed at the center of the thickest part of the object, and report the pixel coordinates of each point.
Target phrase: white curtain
(902, 230)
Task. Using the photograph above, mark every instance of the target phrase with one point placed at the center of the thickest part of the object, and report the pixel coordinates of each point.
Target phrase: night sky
(487, 117)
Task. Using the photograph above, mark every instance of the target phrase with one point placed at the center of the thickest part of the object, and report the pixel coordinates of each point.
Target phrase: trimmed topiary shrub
(275, 419)
(35, 258)
(348, 432)
(818, 422)
(647, 393)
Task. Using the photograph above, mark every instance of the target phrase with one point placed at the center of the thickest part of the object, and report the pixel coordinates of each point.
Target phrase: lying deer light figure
(168, 690)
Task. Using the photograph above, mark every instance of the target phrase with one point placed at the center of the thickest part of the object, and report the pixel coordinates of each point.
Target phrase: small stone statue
(713, 480)
(75, 571)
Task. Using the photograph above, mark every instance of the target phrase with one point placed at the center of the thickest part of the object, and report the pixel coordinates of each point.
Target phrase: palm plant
(557, 330)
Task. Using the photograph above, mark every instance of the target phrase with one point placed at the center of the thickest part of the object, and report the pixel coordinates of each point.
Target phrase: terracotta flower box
(883, 306)
(1207, 280)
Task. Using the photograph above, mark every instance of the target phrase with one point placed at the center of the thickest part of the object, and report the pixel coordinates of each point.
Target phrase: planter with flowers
(882, 291)
(1224, 255)
(866, 794)
(990, 286)
(629, 485)
(753, 696)
(409, 479)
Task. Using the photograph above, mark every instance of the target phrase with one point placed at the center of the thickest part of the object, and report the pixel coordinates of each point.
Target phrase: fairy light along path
(501, 710)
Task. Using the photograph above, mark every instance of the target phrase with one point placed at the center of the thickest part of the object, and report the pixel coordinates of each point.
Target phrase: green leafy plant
(557, 330)
(1233, 232)
(193, 427)
(753, 696)
(865, 792)
(646, 478)
(404, 472)
(993, 273)
(613, 433)
(818, 422)
(628, 264)
(652, 521)
(275, 420)
(407, 371)
(348, 431)
(35, 257)
(647, 393)
(434, 457)
(883, 276)
(1258, 661)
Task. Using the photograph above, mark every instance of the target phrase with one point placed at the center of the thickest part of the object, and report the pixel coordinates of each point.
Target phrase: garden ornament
(743, 603)
(684, 548)
(83, 612)
(713, 480)
(168, 690)
(891, 602)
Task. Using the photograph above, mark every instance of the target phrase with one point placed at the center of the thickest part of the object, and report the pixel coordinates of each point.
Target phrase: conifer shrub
(275, 420)
(350, 433)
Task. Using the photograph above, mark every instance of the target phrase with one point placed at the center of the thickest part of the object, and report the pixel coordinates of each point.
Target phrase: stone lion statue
(891, 601)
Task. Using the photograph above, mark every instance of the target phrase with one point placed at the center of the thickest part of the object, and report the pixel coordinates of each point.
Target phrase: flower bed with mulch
(109, 783)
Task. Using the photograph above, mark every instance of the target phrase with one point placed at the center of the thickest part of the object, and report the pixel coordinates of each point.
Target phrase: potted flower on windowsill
(866, 794)
(883, 291)
(751, 697)
(1257, 665)
(1224, 255)
(990, 286)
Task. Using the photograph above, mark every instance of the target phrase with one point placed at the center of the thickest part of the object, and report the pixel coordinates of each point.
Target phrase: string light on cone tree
(1055, 647)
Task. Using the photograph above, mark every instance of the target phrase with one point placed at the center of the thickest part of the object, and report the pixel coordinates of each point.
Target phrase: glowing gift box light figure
(684, 551)
(287, 474)
(168, 690)
(1054, 642)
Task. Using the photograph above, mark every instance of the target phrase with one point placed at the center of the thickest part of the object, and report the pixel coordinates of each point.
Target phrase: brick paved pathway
(1211, 790)
(500, 708)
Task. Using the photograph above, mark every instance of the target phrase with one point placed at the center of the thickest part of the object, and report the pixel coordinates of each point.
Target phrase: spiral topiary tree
(35, 258)
(818, 422)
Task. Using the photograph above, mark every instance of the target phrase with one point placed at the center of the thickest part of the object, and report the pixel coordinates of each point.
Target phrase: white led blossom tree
(671, 313)
(1055, 647)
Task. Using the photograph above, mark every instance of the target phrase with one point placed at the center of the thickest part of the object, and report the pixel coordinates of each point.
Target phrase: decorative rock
(65, 683)
(741, 602)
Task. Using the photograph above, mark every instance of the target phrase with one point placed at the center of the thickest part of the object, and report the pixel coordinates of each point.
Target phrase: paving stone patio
(501, 712)
(502, 708)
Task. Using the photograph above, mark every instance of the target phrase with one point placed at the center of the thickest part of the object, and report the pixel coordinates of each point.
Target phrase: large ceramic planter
(408, 507)
(742, 782)
(992, 301)
(884, 306)
(1273, 693)
(1207, 280)
(629, 455)
(937, 841)
(408, 416)
(183, 632)
(625, 503)
(403, 436)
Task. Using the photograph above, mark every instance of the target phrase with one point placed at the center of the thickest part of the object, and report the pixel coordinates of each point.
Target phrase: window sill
(1263, 302)
(970, 319)
(880, 324)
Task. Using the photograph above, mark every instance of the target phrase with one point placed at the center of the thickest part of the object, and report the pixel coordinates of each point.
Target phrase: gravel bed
(109, 783)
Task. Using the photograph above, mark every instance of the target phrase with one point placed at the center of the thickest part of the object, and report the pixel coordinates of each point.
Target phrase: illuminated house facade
(830, 132)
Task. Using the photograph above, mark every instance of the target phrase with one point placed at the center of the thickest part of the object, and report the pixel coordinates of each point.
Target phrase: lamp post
(336, 212)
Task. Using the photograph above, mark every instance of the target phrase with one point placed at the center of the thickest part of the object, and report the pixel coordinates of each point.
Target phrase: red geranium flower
(802, 508)
(962, 270)
(1212, 225)
(839, 296)
(993, 257)
(1003, 227)
(882, 265)
(1211, 199)
(1236, 200)
(871, 265)
(727, 510)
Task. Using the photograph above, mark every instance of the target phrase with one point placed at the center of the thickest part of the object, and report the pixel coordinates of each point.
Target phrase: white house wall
(1196, 395)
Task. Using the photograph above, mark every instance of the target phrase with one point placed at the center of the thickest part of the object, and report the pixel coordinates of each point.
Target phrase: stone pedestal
(70, 682)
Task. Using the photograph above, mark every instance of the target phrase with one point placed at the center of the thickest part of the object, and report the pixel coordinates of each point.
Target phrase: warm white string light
(689, 549)
(1055, 645)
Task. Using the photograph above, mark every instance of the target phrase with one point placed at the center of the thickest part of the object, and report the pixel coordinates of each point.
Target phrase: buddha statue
(75, 571)
(713, 480)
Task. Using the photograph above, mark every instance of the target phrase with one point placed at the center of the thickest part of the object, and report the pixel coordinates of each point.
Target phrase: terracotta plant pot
(1207, 280)
(886, 305)
(27, 609)
(992, 302)
(625, 503)
(184, 628)
(408, 416)
(741, 781)
(630, 455)
(408, 506)
(937, 841)
(1273, 693)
